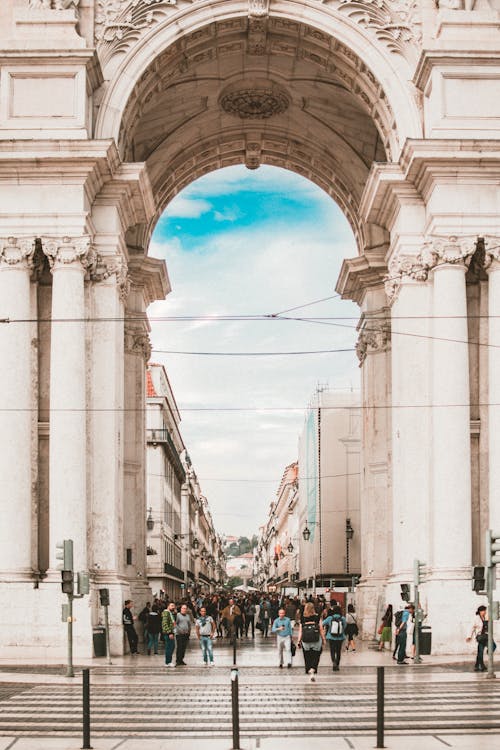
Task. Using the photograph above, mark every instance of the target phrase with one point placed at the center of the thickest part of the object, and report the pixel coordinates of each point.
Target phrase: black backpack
(310, 632)
(398, 618)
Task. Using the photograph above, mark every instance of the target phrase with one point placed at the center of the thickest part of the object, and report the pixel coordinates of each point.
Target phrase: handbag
(482, 639)
(379, 631)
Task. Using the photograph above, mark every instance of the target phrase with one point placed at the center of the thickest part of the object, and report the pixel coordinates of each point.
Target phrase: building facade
(106, 111)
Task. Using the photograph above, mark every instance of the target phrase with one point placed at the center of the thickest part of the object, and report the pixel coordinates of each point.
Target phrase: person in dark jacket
(153, 625)
(128, 624)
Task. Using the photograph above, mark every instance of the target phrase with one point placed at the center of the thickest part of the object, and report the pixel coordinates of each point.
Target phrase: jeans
(402, 646)
(132, 638)
(284, 643)
(207, 650)
(480, 654)
(182, 642)
(153, 641)
(169, 647)
(335, 650)
(250, 623)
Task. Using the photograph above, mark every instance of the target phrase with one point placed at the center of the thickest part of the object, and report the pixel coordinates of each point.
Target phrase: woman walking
(480, 631)
(351, 627)
(385, 630)
(311, 639)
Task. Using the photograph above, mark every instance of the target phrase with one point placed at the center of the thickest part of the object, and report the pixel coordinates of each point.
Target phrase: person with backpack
(398, 617)
(168, 630)
(311, 639)
(335, 629)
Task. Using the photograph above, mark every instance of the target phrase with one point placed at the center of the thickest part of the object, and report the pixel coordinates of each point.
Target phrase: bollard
(86, 710)
(235, 709)
(380, 707)
(234, 650)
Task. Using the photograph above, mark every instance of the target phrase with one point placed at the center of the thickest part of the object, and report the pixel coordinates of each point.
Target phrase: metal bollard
(380, 707)
(235, 709)
(86, 710)
(234, 650)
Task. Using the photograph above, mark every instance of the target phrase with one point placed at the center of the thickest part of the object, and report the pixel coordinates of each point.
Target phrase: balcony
(162, 437)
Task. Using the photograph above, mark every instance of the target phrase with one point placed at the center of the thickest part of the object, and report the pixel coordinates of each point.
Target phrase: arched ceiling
(259, 91)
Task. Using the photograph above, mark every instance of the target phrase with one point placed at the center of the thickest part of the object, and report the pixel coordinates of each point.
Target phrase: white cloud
(184, 207)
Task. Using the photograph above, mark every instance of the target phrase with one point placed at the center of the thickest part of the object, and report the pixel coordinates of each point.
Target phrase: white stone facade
(107, 109)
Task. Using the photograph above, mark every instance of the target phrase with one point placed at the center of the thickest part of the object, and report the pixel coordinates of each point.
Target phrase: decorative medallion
(256, 103)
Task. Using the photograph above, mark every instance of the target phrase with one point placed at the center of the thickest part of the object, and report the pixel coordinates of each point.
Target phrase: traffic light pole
(70, 672)
(106, 625)
(490, 585)
(417, 659)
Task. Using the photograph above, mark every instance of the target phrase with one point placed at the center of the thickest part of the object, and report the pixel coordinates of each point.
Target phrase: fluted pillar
(411, 458)
(68, 258)
(451, 496)
(15, 409)
(493, 262)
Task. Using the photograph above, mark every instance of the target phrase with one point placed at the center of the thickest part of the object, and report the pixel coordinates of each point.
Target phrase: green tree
(233, 582)
(244, 544)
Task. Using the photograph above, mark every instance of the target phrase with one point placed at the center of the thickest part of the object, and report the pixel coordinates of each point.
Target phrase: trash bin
(99, 638)
(425, 640)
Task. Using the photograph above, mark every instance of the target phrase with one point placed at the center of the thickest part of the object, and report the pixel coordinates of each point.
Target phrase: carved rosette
(436, 251)
(375, 337)
(17, 252)
(137, 341)
(65, 251)
(492, 252)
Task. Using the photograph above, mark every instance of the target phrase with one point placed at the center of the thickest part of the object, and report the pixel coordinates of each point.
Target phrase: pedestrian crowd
(236, 616)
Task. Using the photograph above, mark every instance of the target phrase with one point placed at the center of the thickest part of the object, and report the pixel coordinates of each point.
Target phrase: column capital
(492, 253)
(437, 251)
(374, 337)
(137, 340)
(17, 252)
(69, 251)
(107, 266)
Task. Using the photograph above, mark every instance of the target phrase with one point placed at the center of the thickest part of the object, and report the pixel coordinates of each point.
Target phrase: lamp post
(150, 524)
(349, 533)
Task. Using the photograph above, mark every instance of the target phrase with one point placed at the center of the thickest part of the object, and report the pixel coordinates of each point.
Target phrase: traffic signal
(67, 581)
(83, 582)
(64, 552)
(104, 597)
(492, 547)
(418, 572)
(478, 579)
(405, 592)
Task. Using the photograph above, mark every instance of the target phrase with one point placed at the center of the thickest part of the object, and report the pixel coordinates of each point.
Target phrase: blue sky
(240, 242)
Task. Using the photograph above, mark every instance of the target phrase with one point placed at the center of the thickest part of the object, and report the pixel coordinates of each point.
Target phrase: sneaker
(403, 662)
(211, 664)
(313, 678)
(289, 666)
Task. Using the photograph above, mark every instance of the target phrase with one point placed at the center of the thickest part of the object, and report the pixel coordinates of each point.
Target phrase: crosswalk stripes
(272, 708)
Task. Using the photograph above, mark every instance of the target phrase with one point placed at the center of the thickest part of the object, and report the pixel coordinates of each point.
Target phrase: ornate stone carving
(492, 250)
(375, 336)
(396, 23)
(16, 251)
(257, 103)
(54, 4)
(137, 341)
(62, 251)
(106, 267)
(258, 8)
(436, 251)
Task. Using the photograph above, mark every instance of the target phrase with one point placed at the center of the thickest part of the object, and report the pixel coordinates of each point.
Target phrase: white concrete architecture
(107, 109)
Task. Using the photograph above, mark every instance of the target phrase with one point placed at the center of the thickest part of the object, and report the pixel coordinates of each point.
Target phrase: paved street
(441, 702)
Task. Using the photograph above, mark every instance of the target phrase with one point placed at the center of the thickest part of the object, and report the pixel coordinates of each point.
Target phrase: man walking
(128, 624)
(168, 630)
(182, 633)
(205, 629)
(282, 627)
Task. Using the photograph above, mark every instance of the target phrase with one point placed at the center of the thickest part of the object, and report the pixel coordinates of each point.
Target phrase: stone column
(493, 263)
(411, 436)
(68, 258)
(373, 350)
(15, 409)
(451, 487)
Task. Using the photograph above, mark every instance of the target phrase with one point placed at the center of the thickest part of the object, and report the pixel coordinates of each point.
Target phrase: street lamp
(150, 520)
(306, 533)
(290, 548)
(349, 533)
